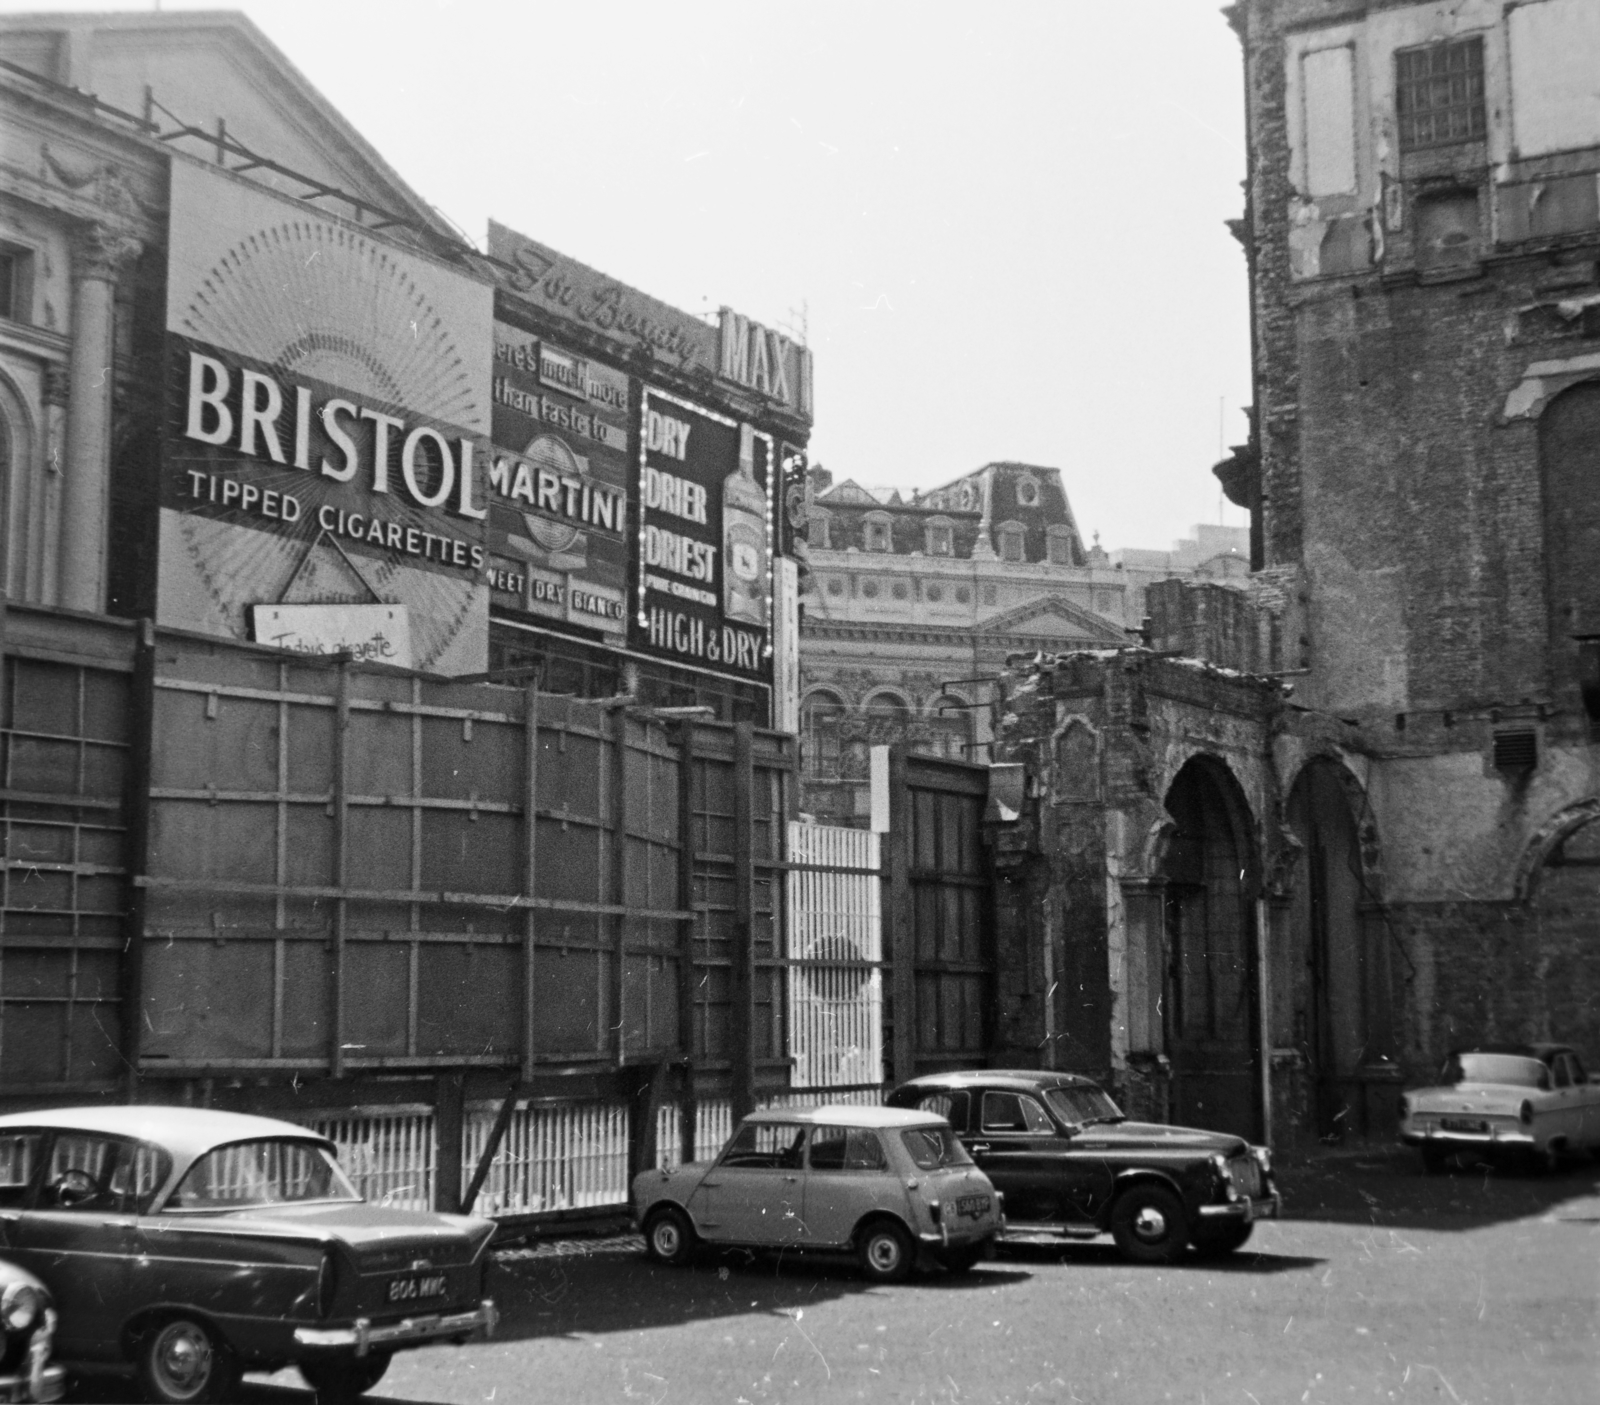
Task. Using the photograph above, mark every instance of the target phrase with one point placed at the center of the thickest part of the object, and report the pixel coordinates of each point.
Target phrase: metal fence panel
(835, 947)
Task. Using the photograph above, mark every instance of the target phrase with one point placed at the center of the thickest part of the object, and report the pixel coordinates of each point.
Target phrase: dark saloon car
(1070, 1164)
(194, 1245)
(27, 1333)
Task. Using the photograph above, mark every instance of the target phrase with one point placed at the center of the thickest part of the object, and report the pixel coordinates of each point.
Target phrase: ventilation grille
(1516, 749)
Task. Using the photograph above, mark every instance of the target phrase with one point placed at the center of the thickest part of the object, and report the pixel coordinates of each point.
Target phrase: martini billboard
(558, 488)
(325, 441)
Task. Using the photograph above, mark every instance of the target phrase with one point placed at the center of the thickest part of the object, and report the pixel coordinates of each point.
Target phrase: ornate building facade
(914, 606)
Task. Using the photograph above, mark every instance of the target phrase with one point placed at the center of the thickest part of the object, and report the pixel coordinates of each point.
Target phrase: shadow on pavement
(1388, 1186)
(614, 1288)
(1103, 1254)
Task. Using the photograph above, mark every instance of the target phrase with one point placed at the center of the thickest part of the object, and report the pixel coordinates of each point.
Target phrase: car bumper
(1245, 1209)
(364, 1335)
(1475, 1141)
(37, 1383)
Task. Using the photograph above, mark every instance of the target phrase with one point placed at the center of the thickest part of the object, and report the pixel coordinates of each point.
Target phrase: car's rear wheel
(1149, 1224)
(669, 1238)
(1215, 1243)
(183, 1361)
(340, 1382)
(886, 1252)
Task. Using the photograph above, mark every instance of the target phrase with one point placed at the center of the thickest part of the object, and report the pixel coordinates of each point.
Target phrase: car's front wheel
(1215, 1243)
(1149, 1224)
(341, 1382)
(183, 1361)
(886, 1252)
(668, 1236)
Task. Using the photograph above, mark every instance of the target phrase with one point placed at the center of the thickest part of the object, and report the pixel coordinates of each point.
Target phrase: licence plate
(414, 1290)
(972, 1206)
(1462, 1124)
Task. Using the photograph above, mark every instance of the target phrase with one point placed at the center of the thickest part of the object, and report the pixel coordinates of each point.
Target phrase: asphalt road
(1380, 1285)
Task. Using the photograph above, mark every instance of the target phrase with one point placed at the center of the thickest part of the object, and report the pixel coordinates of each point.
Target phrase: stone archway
(1331, 977)
(1210, 1006)
(1548, 982)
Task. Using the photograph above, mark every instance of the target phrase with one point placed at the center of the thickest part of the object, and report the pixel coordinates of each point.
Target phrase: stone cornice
(961, 636)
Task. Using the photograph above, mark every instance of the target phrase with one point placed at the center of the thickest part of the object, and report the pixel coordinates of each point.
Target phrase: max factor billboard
(325, 446)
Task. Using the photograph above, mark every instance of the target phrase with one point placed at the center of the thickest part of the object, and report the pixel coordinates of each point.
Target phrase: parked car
(880, 1182)
(194, 1245)
(27, 1333)
(1529, 1102)
(1070, 1165)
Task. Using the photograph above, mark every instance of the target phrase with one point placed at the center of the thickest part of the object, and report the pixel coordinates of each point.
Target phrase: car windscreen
(270, 1171)
(1079, 1106)
(934, 1147)
(1515, 1069)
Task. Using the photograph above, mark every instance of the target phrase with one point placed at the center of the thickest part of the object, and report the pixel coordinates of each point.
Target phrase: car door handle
(979, 1147)
(710, 1184)
(791, 1179)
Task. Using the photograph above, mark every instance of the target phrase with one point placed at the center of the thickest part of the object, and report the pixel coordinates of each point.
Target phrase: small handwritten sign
(368, 633)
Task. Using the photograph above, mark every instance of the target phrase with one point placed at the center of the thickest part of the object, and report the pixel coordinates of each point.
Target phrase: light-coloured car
(1533, 1102)
(880, 1182)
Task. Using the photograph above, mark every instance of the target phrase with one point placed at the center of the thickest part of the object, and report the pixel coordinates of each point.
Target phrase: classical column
(98, 254)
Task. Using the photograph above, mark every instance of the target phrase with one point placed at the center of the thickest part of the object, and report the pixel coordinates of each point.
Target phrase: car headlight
(20, 1306)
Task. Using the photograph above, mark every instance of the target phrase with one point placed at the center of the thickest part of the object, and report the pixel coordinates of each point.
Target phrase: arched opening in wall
(822, 742)
(1549, 982)
(1569, 465)
(1209, 996)
(1330, 980)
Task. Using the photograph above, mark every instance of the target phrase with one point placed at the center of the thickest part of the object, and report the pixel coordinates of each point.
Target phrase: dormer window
(1058, 545)
(1027, 491)
(880, 533)
(1008, 541)
(940, 536)
(817, 529)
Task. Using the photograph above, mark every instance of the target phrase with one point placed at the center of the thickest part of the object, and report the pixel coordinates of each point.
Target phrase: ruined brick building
(1264, 907)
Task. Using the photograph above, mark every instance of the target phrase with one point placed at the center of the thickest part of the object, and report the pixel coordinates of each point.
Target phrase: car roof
(186, 1132)
(1544, 1052)
(844, 1115)
(1014, 1078)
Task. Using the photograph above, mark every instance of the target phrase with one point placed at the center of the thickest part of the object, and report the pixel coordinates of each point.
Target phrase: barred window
(1439, 93)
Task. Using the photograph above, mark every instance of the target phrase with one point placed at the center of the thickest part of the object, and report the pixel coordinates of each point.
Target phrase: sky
(1000, 227)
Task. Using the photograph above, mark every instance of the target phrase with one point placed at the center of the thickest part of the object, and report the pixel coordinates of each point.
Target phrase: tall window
(880, 536)
(13, 285)
(1010, 535)
(819, 723)
(1058, 545)
(941, 537)
(1439, 93)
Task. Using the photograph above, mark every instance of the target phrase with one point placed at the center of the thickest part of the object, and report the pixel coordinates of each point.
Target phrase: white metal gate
(835, 950)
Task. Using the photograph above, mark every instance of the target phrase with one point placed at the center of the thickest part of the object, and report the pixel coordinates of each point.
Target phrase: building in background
(557, 479)
(913, 605)
(1356, 826)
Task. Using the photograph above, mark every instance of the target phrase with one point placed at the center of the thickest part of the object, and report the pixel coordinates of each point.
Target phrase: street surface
(1382, 1285)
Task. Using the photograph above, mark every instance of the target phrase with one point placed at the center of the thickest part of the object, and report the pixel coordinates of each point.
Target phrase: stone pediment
(848, 492)
(1054, 617)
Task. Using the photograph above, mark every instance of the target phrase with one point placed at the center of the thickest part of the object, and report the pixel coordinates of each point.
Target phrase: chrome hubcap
(1150, 1223)
(883, 1252)
(666, 1239)
(182, 1358)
